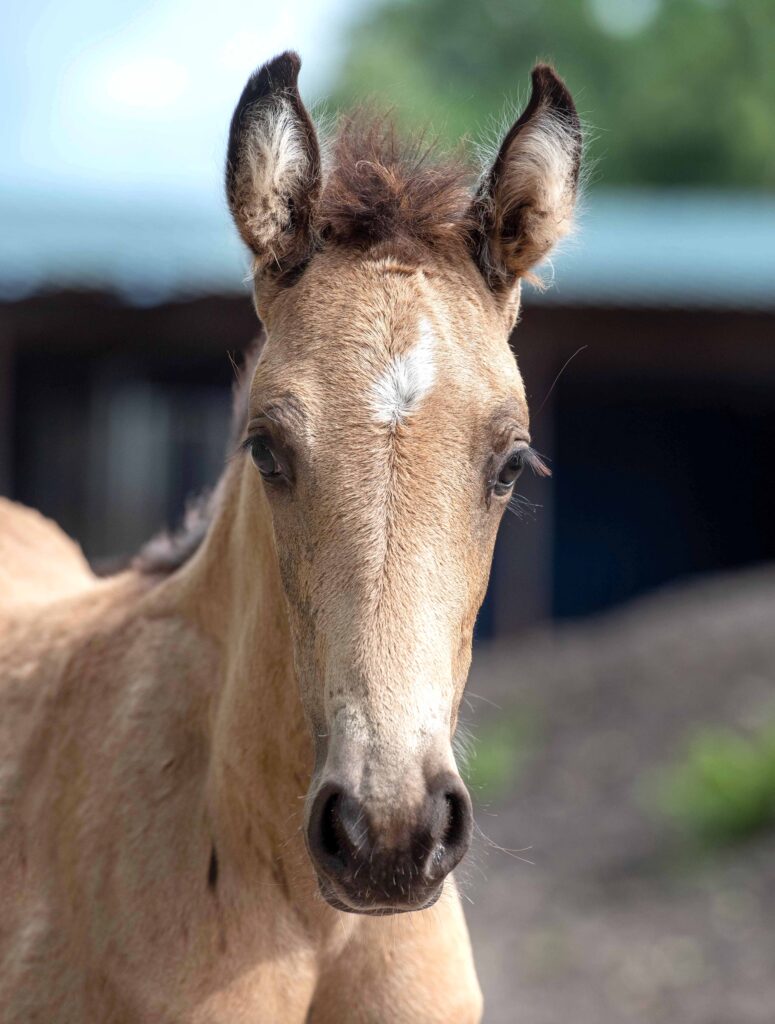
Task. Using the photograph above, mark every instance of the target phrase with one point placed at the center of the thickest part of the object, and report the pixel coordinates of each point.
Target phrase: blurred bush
(495, 757)
(678, 92)
(723, 788)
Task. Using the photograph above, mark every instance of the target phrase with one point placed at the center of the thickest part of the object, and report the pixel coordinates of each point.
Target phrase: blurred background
(622, 701)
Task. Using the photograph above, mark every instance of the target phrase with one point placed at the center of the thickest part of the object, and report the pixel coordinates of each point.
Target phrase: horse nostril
(337, 832)
(329, 832)
(457, 823)
(452, 834)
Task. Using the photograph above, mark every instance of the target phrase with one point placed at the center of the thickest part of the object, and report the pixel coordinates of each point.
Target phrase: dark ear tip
(549, 88)
(284, 69)
(543, 72)
(282, 72)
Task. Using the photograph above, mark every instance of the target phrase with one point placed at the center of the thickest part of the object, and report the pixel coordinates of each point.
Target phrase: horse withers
(228, 791)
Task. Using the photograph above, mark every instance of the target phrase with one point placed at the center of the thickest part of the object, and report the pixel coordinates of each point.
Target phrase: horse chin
(372, 908)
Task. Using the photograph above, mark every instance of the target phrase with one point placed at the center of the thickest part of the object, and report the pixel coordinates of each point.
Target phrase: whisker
(522, 507)
(486, 700)
(503, 849)
(563, 368)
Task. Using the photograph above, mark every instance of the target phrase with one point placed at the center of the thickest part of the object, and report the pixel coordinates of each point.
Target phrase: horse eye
(264, 458)
(510, 472)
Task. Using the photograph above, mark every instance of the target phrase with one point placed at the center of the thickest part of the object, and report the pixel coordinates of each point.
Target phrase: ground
(623, 916)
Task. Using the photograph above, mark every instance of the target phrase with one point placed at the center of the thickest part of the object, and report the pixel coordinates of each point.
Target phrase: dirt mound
(618, 919)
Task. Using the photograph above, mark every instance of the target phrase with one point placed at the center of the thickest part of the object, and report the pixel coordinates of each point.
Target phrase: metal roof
(690, 249)
(679, 248)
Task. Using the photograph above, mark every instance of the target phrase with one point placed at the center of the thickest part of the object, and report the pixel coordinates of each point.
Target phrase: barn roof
(689, 249)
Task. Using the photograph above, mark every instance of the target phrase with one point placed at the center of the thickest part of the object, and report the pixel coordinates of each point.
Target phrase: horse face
(387, 427)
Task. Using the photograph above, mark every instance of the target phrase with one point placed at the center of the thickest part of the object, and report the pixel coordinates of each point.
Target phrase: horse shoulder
(102, 718)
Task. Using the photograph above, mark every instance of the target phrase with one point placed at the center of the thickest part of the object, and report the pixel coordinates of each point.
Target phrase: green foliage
(677, 91)
(497, 754)
(724, 787)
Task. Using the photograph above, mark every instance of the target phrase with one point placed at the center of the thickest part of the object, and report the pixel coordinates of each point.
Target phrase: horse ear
(525, 202)
(273, 167)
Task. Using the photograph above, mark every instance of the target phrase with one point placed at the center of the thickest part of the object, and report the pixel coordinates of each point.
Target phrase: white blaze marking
(407, 380)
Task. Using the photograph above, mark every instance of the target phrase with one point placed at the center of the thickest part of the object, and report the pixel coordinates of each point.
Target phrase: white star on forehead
(409, 377)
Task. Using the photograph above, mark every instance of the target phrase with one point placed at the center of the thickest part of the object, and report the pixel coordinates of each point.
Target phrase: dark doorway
(657, 480)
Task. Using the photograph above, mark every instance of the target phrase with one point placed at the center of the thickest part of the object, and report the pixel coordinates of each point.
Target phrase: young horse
(223, 768)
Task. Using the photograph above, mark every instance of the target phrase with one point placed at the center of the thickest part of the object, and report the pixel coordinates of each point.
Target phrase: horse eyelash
(244, 446)
(536, 462)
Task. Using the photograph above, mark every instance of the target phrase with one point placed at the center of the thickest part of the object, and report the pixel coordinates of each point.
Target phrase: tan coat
(111, 804)
(218, 779)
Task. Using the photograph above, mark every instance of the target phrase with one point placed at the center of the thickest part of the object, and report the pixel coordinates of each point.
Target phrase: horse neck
(261, 751)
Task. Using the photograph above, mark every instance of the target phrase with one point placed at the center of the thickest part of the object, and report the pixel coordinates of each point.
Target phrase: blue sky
(100, 96)
(113, 119)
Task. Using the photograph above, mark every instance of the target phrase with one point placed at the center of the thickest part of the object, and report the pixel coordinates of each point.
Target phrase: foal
(221, 771)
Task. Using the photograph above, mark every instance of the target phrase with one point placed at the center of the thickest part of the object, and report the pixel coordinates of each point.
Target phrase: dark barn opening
(662, 482)
(656, 431)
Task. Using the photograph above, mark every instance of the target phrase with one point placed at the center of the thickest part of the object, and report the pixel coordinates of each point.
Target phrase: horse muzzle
(371, 863)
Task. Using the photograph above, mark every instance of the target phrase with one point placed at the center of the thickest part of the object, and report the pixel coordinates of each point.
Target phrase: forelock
(402, 194)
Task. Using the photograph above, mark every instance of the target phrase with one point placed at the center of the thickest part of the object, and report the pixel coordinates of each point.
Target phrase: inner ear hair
(525, 202)
(273, 175)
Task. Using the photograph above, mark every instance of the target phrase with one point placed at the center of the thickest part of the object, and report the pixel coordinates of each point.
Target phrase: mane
(171, 549)
(382, 189)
